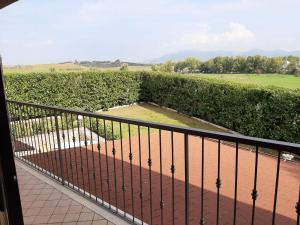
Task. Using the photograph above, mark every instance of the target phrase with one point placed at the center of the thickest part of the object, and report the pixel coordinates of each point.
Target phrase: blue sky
(49, 31)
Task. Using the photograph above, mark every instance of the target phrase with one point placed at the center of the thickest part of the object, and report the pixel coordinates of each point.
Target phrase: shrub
(87, 91)
(98, 127)
(256, 111)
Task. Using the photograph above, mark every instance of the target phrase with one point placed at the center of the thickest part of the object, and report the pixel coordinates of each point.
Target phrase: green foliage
(168, 67)
(106, 131)
(124, 67)
(256, 111)
(24, 126)
(190, 64)
(251, 64)
(87, 91)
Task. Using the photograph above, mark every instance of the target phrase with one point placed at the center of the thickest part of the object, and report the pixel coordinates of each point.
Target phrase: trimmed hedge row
(87, 91)
(256, 111)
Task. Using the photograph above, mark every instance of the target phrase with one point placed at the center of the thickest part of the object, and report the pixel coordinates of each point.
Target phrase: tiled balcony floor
(45, 204)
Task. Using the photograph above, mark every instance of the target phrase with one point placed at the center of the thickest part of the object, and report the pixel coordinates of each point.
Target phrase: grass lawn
(278, 80)
(152, 113)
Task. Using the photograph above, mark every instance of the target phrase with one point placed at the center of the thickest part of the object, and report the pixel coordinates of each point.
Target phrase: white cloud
(200, 37)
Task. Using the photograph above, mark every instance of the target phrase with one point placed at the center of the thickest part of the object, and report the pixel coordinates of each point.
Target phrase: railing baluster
(254, 191)
(186, 177)
(69, 150)
(218, 181)
(131, 177)
(29, 126)
(24, 134)
(59, 148)
(107, 170)
(42, 129)
(14, 124)
(86, 156)
(276, 188)
(150, 174)
(141, 181)
(298, 208)
(202, 184)
(99, 158)
(161, 181)
(123, 177)
(38, 140)
(54, 132)
(173, 172)
(79, 118)
(65, 146)
(29, 133)
(236, 181)
(114, 158)
(75, 150)
(93, 158)
(44, 134)
(49, 139)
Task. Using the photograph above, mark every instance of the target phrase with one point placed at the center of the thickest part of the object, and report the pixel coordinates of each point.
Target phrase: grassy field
(64, 67)
(152, 113)
(278, 80)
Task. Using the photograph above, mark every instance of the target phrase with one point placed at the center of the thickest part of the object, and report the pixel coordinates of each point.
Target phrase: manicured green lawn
(278, 80)
(151, 113)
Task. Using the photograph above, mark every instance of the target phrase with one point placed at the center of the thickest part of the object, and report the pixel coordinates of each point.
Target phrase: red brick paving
(288, 185)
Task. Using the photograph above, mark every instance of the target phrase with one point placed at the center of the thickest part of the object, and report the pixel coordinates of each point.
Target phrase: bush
(87, 91)
(105, 132)
(256, 111)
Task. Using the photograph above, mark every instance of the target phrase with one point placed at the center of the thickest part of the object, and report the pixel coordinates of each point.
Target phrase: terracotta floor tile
(40, 219)
(86, 216)
(71, 217)
(99, 222)
(56, 218)
(61, 210)
(43, 204)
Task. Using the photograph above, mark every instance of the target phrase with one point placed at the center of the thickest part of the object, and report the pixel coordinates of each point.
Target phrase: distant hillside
(205, 55)
(107, 64)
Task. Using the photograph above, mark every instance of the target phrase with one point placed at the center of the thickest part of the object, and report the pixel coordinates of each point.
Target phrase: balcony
(45, 202)
(150, 173)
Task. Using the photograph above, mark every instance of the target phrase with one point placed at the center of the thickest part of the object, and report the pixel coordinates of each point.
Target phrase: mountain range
(205, 55)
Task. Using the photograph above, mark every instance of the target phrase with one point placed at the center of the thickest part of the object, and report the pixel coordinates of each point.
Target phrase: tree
(168, 66)
(192, 64)
(155, 68)
(124, 67)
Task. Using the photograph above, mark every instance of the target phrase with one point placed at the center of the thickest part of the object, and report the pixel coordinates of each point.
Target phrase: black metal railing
(151, 173)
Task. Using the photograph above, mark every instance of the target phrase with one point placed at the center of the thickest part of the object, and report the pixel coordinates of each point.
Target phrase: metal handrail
(265, 143)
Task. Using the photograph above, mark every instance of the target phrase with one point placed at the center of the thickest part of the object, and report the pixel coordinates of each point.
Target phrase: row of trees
(239, 64)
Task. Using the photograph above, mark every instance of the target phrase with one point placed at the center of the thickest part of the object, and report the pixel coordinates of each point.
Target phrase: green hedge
(88, 91)
(256, 111)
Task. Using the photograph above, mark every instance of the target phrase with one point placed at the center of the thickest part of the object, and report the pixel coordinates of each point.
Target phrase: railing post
(59, 148)
(298, 209)
(186, 172)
